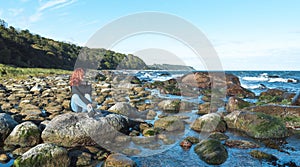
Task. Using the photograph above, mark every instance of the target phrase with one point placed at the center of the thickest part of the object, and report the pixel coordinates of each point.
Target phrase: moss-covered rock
(289, 114)
(192, 139)
(263, 156)
(236, 104)
(274, 96)
(211, 151)
(26, 134)
(47, 155)
(257, 125)
(242, 144)
(209, 123)
(218, 136)
(171, 106)
(170, 123)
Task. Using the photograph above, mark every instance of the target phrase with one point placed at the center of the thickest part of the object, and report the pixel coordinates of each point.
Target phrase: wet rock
(170, 123)
(126, 109)
(272, 96)
(205, 108)
(151, 115)
(193, 140)
(119, 160)
(78, 129)
(25, 134)
(198, 79)
(211, 151)
(289, 114)
(7, 124)
(48, 155)
(186, 144)
(238, 91)
(263, 156)
(80, 158)
(141, 140)
(257, 125)
(242, 144)
(131, 151)
(209, 123)
(235, 103)
(149, 132)
(171, 106)
(218, 136)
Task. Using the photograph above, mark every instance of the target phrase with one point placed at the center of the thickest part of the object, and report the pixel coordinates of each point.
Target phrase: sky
(246, 34)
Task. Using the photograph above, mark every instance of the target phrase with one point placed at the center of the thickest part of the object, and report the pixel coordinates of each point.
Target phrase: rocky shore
(37, 127)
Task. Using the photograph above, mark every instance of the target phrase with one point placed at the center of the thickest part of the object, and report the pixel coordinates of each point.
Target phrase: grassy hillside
(21, 48)
(7, 71)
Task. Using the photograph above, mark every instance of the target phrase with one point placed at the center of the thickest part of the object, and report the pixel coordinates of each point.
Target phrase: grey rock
(47, 155)
(25, 134)
(7, 124)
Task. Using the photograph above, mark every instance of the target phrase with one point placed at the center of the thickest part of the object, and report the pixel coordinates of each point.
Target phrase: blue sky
(247, 34)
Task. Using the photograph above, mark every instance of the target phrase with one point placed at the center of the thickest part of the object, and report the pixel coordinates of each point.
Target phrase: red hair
(77, 77)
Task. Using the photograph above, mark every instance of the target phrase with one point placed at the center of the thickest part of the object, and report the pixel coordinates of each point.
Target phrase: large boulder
(239, 91)
(170, 123)
(211, 151)
(118, 160)
(7, 124)
(78, 129)
(47, 155)
(26, 134)
(273, 96)
(289, 114)
(256, 125)
(209, 123)
(205, 80)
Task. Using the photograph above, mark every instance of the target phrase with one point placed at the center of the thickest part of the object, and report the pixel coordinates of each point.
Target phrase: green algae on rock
(211, 151)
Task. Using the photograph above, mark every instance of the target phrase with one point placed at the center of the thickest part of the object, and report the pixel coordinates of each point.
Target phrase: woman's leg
(76, 102)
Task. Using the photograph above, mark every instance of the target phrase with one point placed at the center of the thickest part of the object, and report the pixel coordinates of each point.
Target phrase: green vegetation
(269, 99)
(21, 48)
(9, 71)
(270, 127)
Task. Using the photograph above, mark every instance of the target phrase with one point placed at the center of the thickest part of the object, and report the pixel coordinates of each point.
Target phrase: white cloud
(15, 11)
(49, 5)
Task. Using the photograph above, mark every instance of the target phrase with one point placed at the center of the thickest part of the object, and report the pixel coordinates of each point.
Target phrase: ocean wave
(264, 77)
(255, 79)
(258, 86)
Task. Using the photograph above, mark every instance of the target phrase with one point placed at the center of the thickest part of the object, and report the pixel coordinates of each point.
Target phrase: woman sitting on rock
(81, 92)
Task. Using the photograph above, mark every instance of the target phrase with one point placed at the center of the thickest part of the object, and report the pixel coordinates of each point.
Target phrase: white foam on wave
(252, 86)
(255, 79)
(264, 77)
(283, 80)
